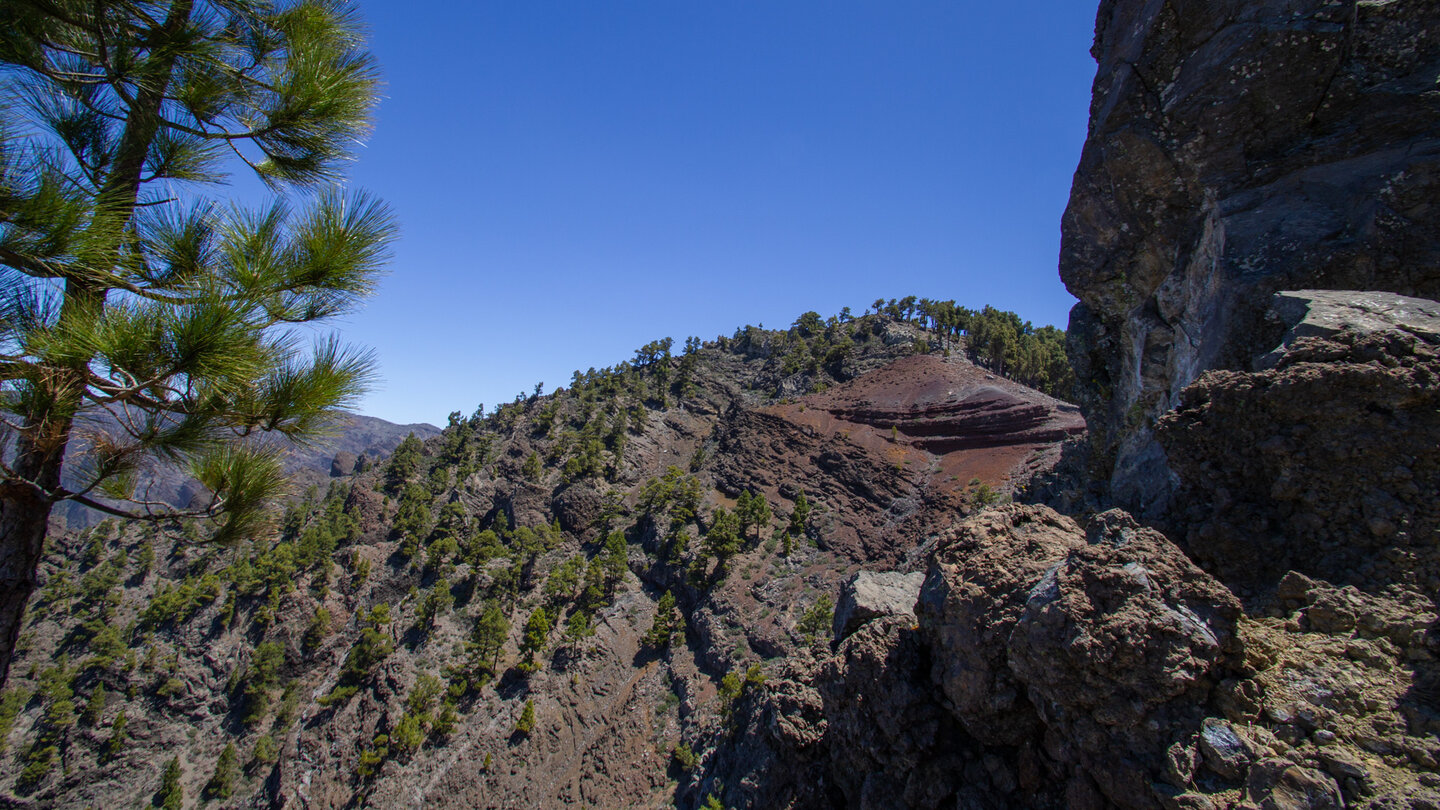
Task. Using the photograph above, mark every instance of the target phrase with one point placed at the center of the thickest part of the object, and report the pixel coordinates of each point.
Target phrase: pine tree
(665, 625)
(723, 538)
(95, 709)
(760, 514)
(753, 511)
(403, 464)
(616, 556)
(537, 633)
(227, 773)
(116, 742)
(799, 516)
(487, 640)
(170, 796)
(526, 723)
(532, 468)
(123, 293)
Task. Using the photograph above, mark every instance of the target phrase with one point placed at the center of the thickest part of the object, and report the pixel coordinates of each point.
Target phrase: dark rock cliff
(1237, 148)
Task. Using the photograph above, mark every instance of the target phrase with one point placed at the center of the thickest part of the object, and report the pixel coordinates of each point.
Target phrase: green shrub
(289, 705)
(445, 719)
(817, 618)
(338, 695)
(373, 646)
(730, 690)
(39, 761)
(407, 735)
(12, 700)
(684, 757)
(267, 751)
(373, 757)
(318, 629)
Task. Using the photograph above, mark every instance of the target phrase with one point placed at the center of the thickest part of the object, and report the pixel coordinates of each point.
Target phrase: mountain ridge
(518, 510)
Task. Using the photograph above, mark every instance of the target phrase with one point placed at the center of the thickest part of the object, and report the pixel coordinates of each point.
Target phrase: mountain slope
(566, 519)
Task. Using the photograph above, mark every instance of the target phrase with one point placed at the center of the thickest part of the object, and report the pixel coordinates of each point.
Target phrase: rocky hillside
(1279, 653)
(776, 570)
(563, 601)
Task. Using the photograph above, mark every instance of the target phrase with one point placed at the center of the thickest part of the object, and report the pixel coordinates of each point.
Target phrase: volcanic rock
(869, 595)
(1297, 466)
(1236, 149)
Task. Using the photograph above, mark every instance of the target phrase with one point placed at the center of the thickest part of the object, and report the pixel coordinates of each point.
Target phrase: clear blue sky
(574, 179)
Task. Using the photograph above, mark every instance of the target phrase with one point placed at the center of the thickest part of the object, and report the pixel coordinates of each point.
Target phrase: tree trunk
(24, 514)
(25, 501)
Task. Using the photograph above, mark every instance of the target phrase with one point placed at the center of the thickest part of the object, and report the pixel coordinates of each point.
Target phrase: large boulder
(578, 507)
(1119, 646)
(1325, 462)
(869, 595)
(1106, 645)
(979, 581)
(1237, 148)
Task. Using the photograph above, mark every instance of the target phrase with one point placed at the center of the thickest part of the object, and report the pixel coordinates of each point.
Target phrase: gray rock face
(1237, 148)
(1327, 313)
(869, 595)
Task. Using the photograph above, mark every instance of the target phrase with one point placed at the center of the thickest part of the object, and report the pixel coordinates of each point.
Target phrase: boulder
(1119, 646)
(1296, 465)
(979, 581)
(1277, 784)
(342, 464)
(578, 507)
(869, 595)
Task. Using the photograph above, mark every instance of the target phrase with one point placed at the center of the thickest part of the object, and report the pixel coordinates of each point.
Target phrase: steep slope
(386, 647)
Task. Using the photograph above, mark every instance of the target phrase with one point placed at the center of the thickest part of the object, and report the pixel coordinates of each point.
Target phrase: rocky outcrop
(1235, 149)
(977, 587)
(1327, 313)
(1106, 647)
(1325, 463)
(1049, 669)
(1055, 666)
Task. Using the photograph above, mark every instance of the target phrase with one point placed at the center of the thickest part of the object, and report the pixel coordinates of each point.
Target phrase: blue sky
(574, 179)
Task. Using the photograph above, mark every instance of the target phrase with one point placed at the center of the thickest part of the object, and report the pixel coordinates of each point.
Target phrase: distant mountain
(358, 437)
